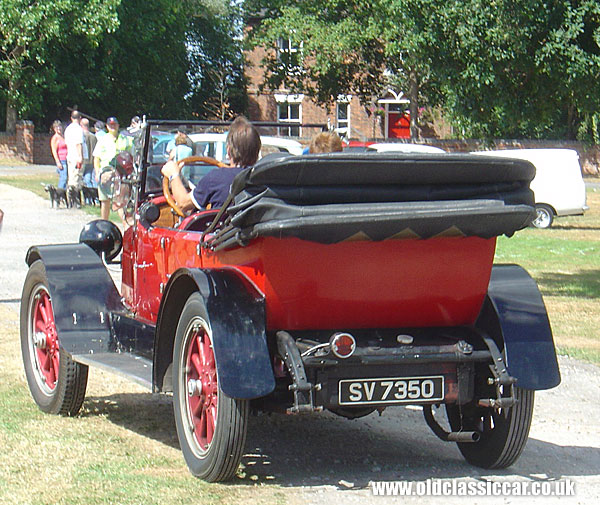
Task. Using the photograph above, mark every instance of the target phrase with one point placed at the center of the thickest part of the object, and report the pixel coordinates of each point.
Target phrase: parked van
(558, 185)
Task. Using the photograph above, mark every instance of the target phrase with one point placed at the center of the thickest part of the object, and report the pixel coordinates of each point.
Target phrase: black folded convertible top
(330, 198)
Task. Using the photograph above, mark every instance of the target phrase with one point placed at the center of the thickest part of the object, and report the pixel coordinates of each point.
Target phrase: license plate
(391, 390)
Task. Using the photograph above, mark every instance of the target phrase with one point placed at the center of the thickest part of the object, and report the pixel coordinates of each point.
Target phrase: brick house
(385, 118)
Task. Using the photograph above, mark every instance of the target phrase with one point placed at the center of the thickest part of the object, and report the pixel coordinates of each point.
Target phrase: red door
(398, 125)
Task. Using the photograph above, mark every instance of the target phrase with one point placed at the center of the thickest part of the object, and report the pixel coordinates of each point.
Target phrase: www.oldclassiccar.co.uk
(457, 487)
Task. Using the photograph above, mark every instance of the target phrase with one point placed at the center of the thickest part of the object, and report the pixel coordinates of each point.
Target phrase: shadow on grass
(575, 228)
(584, 284)
(147, 414)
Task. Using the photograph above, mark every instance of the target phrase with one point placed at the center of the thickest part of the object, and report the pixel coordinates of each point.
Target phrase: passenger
(243, 147)
(325, 142)
(182, 148)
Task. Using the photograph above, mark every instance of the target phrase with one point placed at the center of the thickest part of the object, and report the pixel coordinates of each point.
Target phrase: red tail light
(342, 345)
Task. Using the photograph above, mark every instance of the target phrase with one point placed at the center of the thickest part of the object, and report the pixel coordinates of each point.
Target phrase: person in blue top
(243, 148)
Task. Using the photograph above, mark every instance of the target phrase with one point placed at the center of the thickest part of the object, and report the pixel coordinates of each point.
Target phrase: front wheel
(211, 426)
(504, 432)
(56, 382)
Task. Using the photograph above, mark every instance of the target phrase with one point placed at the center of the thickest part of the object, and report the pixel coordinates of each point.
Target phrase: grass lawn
(565, 262)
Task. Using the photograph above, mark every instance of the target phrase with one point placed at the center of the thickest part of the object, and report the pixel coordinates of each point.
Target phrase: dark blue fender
(514, 312)
(83, 296)
(236, 315)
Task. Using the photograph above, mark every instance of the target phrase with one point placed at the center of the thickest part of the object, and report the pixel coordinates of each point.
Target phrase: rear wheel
(56, 382)
(211, 426)
(544, 216)
(504, 432)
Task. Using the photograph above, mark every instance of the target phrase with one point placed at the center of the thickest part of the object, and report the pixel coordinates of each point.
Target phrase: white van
(558, 185)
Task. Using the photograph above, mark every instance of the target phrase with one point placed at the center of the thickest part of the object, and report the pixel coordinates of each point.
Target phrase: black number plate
(391, 390)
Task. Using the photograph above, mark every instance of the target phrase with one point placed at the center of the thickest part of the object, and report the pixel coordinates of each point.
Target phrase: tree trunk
(413, 96)
(11, 112)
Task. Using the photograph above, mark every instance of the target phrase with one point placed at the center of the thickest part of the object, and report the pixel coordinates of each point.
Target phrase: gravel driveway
(324, 459)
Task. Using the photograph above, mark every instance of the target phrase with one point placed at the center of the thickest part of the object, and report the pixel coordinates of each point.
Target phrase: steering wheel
(186, 161)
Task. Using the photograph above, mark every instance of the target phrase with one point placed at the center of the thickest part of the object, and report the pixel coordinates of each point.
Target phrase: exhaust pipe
(452, 436)
(463, 436)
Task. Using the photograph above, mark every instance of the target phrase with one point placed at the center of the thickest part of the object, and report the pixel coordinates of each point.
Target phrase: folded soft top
(329, 198)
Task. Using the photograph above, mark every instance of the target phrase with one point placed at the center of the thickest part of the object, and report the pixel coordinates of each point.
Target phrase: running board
(130, 366)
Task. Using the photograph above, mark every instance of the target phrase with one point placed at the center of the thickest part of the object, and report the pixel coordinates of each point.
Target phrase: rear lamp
(342, 345)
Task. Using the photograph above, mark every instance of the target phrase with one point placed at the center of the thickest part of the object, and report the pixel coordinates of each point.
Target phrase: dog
(90, 196)
(74, 197)
(56, 195)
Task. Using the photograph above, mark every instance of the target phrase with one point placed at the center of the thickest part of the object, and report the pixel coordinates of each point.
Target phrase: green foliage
(27, 32)
(121, 58)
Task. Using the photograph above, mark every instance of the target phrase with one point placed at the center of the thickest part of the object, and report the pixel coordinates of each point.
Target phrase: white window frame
(291, 48)
(342, 124)
(284, 100)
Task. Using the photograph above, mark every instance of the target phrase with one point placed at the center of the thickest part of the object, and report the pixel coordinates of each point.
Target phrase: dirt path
(323, 459)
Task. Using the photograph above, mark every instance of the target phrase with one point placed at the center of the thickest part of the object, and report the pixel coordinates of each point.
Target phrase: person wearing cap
(76, 153)
(105, 152)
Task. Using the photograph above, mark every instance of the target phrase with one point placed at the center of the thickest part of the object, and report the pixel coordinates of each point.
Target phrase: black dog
(74, 197)
(90, 196)
(57, 195)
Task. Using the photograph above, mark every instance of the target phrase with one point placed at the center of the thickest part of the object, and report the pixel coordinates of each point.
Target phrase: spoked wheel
(211, 426)
(504, 432)
(56, 382)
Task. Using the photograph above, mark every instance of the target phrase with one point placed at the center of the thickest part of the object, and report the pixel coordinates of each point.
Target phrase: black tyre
(211, 426)
(56, 382)
(544, 216)
(504, 433)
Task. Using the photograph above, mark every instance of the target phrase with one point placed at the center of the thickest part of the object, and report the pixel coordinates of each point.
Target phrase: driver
(243, 147)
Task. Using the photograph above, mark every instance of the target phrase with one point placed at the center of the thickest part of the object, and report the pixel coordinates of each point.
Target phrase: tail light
(342, 345)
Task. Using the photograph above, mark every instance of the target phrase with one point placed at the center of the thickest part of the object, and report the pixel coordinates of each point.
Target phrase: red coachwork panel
(366, 284)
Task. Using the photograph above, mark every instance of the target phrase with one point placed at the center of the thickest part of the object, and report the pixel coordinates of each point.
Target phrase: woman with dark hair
(243, 148)
(58, 147)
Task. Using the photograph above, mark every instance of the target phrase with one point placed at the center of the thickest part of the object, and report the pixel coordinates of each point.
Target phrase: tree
(216, 56)
(521, 68)
(28, 30)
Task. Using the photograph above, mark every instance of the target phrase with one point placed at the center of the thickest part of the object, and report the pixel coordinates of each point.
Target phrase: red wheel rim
(201, 386)
(44, 339)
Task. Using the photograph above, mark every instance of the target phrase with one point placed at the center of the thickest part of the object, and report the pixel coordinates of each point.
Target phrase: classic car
(347, 282)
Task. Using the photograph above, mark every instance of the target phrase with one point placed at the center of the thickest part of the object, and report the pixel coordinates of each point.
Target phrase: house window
(289, 112)
(289, 54)
(343, 118)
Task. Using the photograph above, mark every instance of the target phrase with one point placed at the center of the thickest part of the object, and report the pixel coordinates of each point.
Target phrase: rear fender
(514, 313)
(83, 296)
(236, 313)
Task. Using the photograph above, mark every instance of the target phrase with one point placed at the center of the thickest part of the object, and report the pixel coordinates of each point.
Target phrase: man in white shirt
(76, 152)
